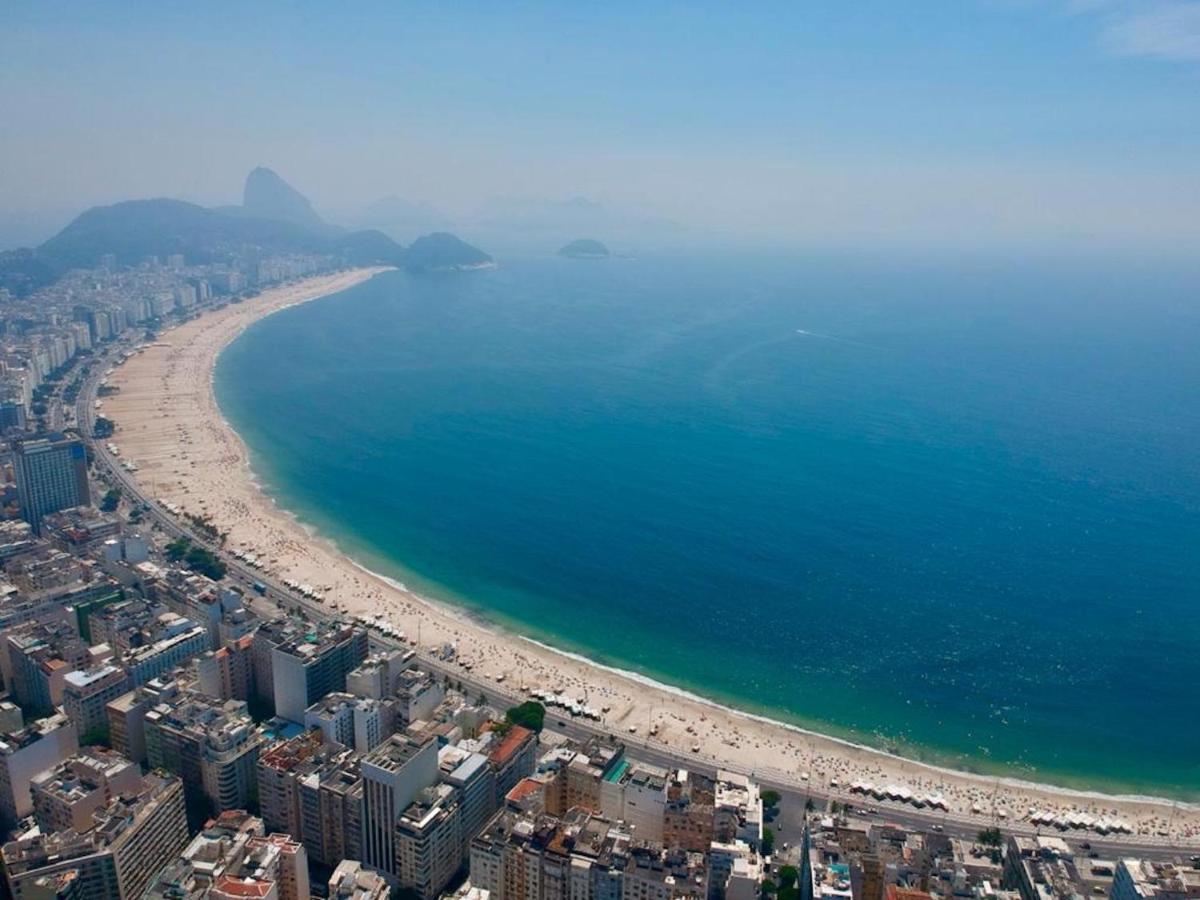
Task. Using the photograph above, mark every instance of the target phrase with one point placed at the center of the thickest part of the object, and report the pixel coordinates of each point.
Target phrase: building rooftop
(393, 753)
(109, 824)
(317, 638)
(82, 678)
(1153, 878)
(516, 737)
(83, 773)
(32, 732)
(287, 755)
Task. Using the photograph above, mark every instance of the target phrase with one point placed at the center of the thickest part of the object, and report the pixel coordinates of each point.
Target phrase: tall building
(307, 667)
(637, 796)
(214, 852)
(418, 694)
(513, 758)
(873, 877)
(227, 672)
(51, 475)
(350, 881)
(127, 715)
(521, 856)
(279, 770)
(313, 791)
(737, 809)
(154, 660)
(393, 774)
(429, 841)
(25, 753)
(688, 817)
(1143, 879)
(66, 795)
(117, 858)
(86, 694)
(331, 809)
(805, 883)
(472, 775)
(273, 867)
(378, 676)
(211, 745)
(39, 657)
(351, 721)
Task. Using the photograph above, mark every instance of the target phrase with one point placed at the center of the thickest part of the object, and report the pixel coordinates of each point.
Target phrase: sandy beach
(168, 423)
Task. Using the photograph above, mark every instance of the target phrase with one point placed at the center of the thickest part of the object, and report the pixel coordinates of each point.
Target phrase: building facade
(51, 475)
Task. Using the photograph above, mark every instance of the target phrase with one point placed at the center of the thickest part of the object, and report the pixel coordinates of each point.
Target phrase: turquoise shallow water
(949, 509)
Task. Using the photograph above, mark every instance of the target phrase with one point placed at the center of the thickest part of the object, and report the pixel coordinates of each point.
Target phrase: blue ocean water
(948, 508)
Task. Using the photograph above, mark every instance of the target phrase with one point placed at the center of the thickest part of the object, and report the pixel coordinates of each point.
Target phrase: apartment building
(23, 754)
(212, 745)
(129, 841)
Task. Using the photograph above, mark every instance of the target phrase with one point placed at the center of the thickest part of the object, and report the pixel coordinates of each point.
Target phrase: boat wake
(837, 340)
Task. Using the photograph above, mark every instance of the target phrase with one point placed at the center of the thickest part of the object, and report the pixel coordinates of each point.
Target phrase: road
(794, 791)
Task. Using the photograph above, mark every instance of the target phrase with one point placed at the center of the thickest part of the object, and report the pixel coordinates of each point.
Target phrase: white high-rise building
(393, 774)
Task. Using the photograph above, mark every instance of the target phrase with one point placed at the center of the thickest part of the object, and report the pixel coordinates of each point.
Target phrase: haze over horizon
(978, 124)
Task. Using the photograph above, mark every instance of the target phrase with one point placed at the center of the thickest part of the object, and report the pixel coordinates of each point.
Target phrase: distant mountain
(442, 252)
(23, 271)
(267, 196)
(582, 203)
(584, 248)
(274, 219)
(135, 229)
(402, 219)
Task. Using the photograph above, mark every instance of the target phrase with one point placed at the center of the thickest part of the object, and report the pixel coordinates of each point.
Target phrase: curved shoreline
(169, 422)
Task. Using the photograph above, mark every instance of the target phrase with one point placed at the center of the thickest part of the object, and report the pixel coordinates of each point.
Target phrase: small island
(584, 248)
(443, 252)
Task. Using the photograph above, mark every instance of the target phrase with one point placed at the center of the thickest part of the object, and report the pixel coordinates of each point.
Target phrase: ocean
(948, 508)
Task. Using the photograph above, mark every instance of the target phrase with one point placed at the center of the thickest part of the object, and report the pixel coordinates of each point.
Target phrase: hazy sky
(977, 120)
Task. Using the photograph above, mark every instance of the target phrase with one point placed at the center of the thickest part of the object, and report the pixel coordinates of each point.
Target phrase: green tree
(196, 558)
(203, 561)
(95, 736)
(990, 837)
(788, 876)
(770, 799)
(530, 714)
(768, 842)
(177, 549)
(111, 499)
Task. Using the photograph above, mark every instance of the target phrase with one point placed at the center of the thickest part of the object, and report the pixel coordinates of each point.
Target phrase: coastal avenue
(794, 790)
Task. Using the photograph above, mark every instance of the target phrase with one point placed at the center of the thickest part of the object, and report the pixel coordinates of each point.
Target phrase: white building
(394, 773)
(352, 721)
(23, 754)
